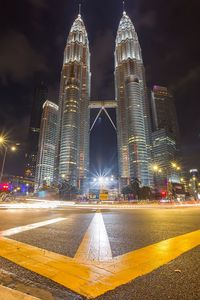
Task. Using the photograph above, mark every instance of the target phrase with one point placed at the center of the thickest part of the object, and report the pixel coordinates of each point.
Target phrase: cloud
(192, 76)
(38, 3)
(18, 60)
(147, 19)
(102, 64)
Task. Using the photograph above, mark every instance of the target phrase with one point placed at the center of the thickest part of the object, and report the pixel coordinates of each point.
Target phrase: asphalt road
(127, 230)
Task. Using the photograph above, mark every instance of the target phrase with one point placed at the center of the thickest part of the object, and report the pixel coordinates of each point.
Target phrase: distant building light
(193, 171)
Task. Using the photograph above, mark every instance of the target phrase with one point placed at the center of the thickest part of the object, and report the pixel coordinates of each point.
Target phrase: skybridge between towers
(103, 105)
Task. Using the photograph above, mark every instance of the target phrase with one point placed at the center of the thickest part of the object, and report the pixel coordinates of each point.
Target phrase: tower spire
(124, 12)
(79, 9)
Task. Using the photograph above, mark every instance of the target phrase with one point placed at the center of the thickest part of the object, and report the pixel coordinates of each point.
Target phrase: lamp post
(3, 142)
(156, 171)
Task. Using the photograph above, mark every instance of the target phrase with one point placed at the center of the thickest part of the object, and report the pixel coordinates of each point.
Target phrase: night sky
(33, 34)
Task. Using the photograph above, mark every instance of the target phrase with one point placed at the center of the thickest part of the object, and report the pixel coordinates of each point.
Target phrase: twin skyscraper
(73, 121)
(72, 153)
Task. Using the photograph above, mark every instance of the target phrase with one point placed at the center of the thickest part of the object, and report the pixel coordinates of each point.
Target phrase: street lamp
(3, 143)
(175, 166)
(155, 168)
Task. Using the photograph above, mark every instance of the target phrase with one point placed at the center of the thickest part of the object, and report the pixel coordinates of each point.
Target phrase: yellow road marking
(95, 244)
(10, 294)
(61, 269)
(19, 229)
(92, 279)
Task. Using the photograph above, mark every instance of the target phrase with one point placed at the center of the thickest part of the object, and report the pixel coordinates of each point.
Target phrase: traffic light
(4, 187)
(163, 193)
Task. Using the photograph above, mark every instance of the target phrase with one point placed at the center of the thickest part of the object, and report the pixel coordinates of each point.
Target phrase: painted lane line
(19, 229)
(93, 278)
(60, 269)
(127, 267)
(95, 245)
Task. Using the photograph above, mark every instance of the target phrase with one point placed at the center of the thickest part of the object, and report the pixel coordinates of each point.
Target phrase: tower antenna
(123, 6)
(79, 10)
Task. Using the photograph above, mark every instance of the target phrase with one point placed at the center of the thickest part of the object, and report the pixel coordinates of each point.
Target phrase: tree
(126, 191)
(135, 187)
(67, 190)
(145, 193)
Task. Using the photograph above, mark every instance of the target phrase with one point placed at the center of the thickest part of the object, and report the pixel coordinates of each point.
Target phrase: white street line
(19, 229)
(95, 244)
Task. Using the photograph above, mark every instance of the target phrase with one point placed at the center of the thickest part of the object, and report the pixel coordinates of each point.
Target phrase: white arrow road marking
(95, 244)
(19, 229)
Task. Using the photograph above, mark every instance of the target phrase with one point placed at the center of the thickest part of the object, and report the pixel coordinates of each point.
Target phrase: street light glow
(101, 179)
(13, 148)
(174, 165)
(156, 168)
(3, 140)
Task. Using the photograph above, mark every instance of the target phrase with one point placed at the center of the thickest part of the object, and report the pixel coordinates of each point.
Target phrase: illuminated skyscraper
(165, 136)
(47, 145)
(164, 112)
(132, 110)
(73, 129)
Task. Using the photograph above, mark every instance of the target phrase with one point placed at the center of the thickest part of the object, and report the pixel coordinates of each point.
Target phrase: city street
(73, 253)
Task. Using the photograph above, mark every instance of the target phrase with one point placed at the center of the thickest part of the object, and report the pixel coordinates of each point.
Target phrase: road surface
(66, 253)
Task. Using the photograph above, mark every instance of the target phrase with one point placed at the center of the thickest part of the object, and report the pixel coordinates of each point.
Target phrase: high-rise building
(163, 111)
(165, 136)
(133, 125)
(47, 145)
(164, 154)
(39, 97)
(72, 162)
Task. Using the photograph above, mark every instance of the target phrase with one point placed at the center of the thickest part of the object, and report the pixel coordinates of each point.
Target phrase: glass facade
(164, 153)
(47, 141)
(72, 154)
(133, 125)
(165, 135)
(70, 132)
(163, 111)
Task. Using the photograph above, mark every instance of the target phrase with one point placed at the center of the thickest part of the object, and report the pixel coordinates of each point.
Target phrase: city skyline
(143, 29)
(99, 149)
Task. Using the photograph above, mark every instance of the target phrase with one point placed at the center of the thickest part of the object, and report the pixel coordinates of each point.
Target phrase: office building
(47, 146)
(165, 136)
(163, 111)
